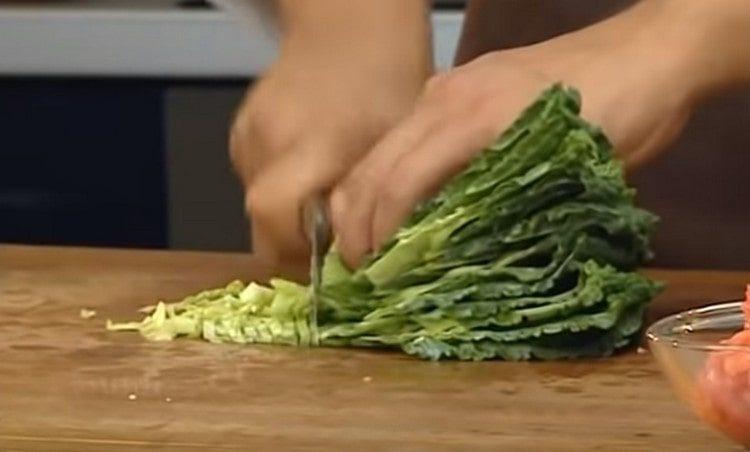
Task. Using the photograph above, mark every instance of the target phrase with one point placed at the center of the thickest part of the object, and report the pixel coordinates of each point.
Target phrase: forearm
(696, 47)
(717, 36)
(382, 30)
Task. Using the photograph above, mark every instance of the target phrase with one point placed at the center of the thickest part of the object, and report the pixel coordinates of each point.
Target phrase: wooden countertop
(66, 384)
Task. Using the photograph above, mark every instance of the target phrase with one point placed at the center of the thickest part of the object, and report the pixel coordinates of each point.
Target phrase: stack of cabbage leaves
(529, 253)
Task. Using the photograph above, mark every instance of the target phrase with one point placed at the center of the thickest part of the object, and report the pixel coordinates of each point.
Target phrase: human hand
(319, 108)
(639, 74)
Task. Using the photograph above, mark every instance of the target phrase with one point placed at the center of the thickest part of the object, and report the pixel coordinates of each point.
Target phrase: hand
(637, 75)
(327, 99)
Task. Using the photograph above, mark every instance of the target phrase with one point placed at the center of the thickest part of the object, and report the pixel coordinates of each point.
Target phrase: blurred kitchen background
(114, 118)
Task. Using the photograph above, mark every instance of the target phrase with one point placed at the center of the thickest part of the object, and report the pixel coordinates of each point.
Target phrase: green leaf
(526, 254)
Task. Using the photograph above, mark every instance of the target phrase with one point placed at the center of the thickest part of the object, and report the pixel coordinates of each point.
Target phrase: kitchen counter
(154, 38)
(66, 384)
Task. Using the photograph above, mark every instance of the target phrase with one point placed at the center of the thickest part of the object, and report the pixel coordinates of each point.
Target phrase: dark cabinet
(120, 163)
(82, 162)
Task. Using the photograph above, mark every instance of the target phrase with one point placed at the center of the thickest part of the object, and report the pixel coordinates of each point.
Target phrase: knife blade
(319, 234)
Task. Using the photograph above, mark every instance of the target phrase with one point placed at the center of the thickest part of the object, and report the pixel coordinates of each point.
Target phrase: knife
(318, 230)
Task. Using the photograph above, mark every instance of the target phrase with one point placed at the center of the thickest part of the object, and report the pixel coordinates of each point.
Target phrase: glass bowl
(709, 374)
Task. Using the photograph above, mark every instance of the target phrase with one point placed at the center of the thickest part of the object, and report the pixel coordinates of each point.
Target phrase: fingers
(276, 197)
(259, 134)
(264, 251)
(274, 168)
(302, 127)
(402, 170)
(420, 174)
(353, 201)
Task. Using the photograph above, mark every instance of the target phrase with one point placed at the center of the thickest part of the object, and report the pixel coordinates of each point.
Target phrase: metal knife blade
(319, 233)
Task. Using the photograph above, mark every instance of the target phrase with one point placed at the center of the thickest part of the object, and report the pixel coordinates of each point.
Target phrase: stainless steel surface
(139, 38)
(119, 38)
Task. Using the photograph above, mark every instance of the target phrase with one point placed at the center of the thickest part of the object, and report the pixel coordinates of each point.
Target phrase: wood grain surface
(66, 384)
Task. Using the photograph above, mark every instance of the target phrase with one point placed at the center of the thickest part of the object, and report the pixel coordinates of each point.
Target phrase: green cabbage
(528, 253)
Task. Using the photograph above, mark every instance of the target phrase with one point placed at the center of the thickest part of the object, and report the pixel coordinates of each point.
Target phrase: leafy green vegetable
(87, 313)
(529, 253)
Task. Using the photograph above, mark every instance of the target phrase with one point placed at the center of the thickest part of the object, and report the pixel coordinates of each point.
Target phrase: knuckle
(447, 86)
(270, 132)
(434, 83)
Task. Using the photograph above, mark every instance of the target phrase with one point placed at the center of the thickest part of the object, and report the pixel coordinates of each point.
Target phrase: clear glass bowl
(711, 376)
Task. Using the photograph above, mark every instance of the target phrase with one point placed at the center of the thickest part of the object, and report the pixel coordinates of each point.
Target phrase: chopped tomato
(725, 385)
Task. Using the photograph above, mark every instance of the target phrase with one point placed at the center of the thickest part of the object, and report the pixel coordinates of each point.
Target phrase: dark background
(124, 163)
(82, 162)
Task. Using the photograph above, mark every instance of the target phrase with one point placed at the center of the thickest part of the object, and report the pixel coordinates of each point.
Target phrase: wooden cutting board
(66, 384)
